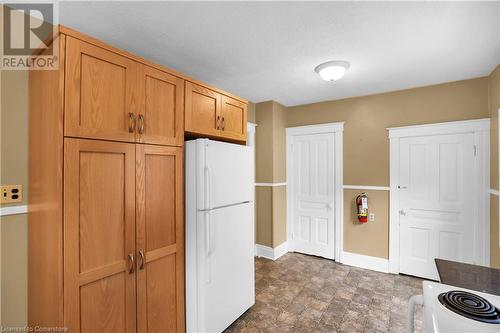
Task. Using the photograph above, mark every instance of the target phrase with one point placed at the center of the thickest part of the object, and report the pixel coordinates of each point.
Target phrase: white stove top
(438, 319)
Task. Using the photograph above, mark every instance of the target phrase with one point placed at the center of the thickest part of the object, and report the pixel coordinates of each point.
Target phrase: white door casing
(314, 193)
(438, 204)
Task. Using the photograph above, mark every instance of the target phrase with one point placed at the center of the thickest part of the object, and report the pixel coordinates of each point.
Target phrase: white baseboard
(269, 252)
(368, 262)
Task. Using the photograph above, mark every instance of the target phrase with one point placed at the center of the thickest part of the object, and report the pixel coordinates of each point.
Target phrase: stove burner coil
(470, 305)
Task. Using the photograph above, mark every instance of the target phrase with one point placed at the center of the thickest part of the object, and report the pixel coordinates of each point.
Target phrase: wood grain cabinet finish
(160, 239)
(234, 119)
(106, 210)
(101, 93)
(202, 110)
(161, 119)
(99, 236)
(212, 114)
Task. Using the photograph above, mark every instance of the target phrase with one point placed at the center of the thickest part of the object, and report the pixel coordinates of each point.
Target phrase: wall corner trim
(13, 210)
(367, 262)
(269, 252)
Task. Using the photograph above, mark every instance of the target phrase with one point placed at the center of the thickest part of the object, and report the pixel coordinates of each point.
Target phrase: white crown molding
(269, 252)
(13, 210)
(367, 262)
(270, 184)
(452, 127)
(366, 187)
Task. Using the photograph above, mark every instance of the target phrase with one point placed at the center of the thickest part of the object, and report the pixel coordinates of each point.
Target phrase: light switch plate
(371, 217)
(11, 193)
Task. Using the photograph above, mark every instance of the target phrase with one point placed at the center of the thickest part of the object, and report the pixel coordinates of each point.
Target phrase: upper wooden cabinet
(234, 119)
(161, 116)
(202, 110)
(210, 113)
(109, 96)
(100, 93)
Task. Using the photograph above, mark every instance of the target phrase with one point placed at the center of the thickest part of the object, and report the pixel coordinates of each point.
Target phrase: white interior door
(436, 202)
(312, 190)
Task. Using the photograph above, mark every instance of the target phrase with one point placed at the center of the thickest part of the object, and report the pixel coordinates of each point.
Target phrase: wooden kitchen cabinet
(100, 93)
(233, 119)
(161, 118)
(99, 236)
(106, 211)
(160, 239)
(202, 110)
(213, 114)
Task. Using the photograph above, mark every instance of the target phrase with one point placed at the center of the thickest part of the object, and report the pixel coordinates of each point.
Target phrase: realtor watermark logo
(29, 33)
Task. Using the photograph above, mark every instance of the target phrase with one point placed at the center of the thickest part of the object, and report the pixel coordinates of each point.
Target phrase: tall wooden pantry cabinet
(106, 229)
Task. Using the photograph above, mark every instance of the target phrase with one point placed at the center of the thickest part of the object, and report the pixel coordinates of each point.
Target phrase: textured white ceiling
(268, 50)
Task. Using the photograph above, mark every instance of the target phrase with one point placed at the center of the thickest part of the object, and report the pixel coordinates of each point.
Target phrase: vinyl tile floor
(301, 293)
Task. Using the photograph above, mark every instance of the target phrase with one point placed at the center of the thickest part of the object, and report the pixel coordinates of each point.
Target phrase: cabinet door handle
(141, 255)
(131, 122)
(131, 260)
(218, 123)
(141, 124)
(223, 123)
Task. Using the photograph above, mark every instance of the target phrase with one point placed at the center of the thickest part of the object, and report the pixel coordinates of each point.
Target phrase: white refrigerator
(219, 234)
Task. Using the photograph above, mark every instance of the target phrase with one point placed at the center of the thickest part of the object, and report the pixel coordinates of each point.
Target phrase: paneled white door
(312, 190)
(436, 195)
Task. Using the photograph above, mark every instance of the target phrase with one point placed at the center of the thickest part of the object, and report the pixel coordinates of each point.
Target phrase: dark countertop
(474, 277)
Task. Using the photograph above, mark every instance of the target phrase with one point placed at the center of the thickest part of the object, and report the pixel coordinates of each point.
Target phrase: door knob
(403, 212)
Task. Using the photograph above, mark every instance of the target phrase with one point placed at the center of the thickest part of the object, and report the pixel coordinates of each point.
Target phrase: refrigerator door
(224, 174)
(225, 266)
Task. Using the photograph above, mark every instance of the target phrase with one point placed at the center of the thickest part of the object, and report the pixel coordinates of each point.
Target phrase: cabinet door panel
(99, 234)
(202, 110)
(163, 98)
(160, 235)
(234, 119)
(100, 91)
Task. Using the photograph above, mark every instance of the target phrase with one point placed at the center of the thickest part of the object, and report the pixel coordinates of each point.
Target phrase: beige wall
(270, 168)
(366, 143)
(14, 170)
(371, 238)
(494, 105)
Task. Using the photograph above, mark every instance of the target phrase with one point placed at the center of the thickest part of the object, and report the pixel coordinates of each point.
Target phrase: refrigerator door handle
(207, 188)
(208, 245)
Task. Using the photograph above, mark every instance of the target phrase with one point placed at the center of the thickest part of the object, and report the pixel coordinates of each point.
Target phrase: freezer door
(224, 175)
(225, 266)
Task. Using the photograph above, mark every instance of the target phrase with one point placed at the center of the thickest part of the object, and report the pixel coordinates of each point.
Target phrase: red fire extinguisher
(362, 207)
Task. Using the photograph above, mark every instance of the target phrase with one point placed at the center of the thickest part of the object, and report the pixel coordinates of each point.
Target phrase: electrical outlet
(11, 193)
(371, 217)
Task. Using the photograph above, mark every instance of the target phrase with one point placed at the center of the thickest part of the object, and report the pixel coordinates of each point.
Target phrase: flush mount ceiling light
(332, 70)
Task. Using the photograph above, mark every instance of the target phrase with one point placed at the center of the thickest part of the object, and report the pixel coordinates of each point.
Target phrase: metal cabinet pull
(223, 123)
(141, 255)
(131, 260)
(131, 123)
(141, 124)
(218, 123)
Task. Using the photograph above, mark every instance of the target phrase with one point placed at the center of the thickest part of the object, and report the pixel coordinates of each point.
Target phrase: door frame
(480, 128)
(337, 130)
